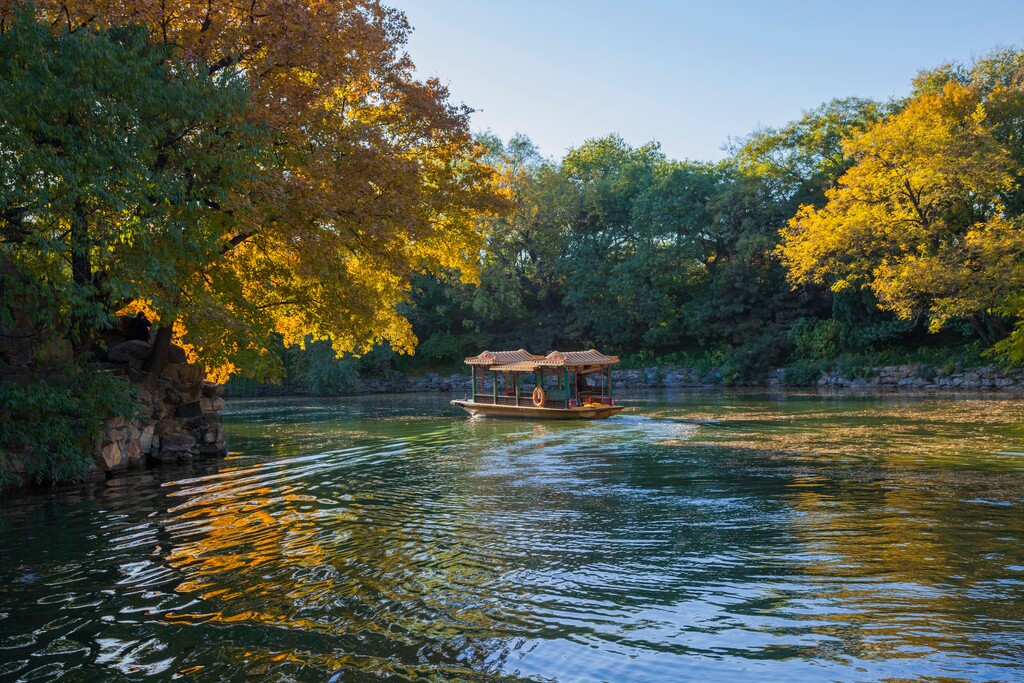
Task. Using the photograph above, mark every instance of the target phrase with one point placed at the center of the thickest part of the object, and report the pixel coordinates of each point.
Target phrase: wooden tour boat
(554, 387)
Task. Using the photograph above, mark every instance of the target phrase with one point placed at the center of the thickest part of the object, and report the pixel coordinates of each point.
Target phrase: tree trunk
(157, 360)
(979, 327)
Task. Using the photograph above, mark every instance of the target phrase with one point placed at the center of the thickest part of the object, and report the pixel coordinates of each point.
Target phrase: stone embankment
(929, 377)
(896, 377)
(179, 412)
(648, 378)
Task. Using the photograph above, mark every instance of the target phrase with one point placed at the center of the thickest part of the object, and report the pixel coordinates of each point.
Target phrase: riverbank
(908, 376)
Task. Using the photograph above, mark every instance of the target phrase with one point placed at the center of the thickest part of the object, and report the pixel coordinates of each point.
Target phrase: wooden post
(494, 386)
(611, 401)
(472, 382)
(515, 385)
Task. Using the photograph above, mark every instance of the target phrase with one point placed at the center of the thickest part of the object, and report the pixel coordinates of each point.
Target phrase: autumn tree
(111, 166)
(374, 175)
(918, 218)
(117, 170)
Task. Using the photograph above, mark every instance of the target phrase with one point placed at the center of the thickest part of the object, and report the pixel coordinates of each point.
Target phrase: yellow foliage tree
(371, 176)
(918, 217)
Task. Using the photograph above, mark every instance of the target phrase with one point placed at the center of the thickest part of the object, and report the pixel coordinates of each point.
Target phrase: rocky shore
(179, 412)
(911, 376)
(929, 377)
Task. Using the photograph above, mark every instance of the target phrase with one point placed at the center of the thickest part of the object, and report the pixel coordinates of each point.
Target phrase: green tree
(119, 172)
(375, 176)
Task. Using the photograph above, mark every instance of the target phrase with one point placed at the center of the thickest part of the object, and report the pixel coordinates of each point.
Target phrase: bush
(50, 428)
(803, 373)
(814, 339)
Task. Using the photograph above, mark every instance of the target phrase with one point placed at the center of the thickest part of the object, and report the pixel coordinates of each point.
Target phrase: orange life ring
(538, 397)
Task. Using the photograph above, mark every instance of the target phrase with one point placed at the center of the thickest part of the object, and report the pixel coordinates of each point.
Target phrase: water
(698, 536)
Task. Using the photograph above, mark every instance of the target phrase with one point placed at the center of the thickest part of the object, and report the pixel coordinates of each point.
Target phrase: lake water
(699, 536)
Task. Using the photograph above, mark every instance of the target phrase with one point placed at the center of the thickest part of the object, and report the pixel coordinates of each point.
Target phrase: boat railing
(525, 400)
(595, 397)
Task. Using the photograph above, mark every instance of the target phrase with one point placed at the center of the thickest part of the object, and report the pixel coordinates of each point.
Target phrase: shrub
(814, 339)
(803, 373)
(49, 428)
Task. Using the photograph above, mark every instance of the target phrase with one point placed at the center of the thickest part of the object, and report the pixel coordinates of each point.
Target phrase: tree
(606, 177)
(804, 158)
(119, 173)
(918, 218)
(374, 175)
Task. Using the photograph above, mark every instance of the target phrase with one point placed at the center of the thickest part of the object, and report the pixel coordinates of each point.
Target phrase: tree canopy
(919, 217)
(368, 175)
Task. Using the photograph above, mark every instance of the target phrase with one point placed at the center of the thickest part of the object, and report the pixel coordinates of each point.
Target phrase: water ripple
(388, 539)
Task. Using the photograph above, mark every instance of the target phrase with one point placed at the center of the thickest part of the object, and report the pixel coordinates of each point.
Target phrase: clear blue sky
(687, 74)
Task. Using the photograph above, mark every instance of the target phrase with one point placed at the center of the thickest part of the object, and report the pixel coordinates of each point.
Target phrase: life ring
(538, 396)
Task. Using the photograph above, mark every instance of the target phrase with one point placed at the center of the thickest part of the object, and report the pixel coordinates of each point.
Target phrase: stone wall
(929, 377)
(895, 377)
(179, 411)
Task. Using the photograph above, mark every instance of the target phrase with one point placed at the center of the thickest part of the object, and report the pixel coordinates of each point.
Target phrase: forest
(862, 234)
(289, 212)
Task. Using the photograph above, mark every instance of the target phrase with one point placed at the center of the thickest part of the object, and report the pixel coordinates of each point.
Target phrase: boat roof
(524, 366)
(522, 360)
(591, 357)
(502, 357)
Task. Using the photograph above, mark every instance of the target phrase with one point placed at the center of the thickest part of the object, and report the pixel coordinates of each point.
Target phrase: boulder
(185, 374)
(176, 354)
(112, 457)
(213, 390)
(176, 442)
(191, 409)
(126, 352)
(133, 451)
(211, 405)
(146, 439)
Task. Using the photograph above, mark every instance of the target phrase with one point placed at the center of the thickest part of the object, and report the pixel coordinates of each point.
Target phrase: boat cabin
(561, 380)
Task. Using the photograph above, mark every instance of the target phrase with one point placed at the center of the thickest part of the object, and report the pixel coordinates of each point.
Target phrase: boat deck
(593, 411)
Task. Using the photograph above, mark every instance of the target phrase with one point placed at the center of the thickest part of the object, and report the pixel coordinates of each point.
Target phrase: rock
(185, 374)
(191, 409)
(126, 352)
(176, 354)
(146, 439)
(212, 389)
(218, 449)
(211, 405)
(117, 434)
(133, 451)
(176, 442)
(112, 457)
(171, 456)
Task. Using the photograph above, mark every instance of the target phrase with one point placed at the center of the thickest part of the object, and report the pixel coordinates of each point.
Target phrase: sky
(690, 75)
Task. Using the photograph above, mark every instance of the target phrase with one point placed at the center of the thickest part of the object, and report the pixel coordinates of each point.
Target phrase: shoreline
(897, 378)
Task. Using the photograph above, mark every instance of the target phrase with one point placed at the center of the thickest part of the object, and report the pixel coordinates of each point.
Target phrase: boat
(563, 385)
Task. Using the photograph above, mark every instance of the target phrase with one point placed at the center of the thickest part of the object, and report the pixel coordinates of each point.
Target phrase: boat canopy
(558, 359)
(524, 366)
(524, 361)
(502, 357)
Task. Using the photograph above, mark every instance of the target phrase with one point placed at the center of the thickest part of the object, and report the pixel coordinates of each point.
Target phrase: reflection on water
(697, 536)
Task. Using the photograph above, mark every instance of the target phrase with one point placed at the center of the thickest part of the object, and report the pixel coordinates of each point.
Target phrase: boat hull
(577, 413)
